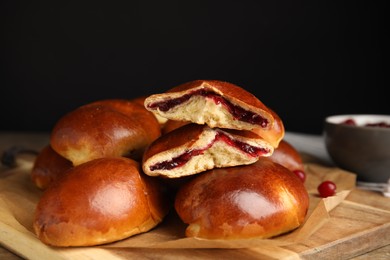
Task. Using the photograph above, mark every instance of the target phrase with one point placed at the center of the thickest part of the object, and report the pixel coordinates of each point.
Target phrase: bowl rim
(360, 119)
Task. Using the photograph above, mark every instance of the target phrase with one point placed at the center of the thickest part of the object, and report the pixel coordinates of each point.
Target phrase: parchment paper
(19, 196)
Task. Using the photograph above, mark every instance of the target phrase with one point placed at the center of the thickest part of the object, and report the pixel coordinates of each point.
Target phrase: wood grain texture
(358, 227)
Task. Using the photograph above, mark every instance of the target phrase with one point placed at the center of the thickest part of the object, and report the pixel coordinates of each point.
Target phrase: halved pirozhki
(212, 102)
(194, 148)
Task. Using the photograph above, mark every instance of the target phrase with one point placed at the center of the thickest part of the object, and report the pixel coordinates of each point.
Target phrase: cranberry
(379, 124)
(349, 121)
(301, 175)
(326, 189)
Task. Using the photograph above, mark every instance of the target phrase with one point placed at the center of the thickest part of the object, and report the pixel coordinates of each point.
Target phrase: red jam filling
(185, 157)
(237, 112)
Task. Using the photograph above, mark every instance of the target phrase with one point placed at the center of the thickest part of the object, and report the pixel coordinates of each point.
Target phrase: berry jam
(237, 112)
(185, 157)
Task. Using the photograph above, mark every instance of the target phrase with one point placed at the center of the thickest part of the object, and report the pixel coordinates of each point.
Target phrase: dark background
(303, 60)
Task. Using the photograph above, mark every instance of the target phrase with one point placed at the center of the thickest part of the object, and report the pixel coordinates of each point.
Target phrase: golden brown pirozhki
(212, 102)
(103, 129)
(260, 200)
(194, 148)
(97, 202)
(288, 156)
(48, 167)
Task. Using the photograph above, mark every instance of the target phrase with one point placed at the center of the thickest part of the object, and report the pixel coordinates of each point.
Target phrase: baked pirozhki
(212, 102)
(100, 201)
(103, 129)
(48, 167)
(194, 148)
(288, 156)
(261, 200)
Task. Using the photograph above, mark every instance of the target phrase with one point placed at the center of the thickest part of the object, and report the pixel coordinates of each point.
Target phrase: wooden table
(38, 140)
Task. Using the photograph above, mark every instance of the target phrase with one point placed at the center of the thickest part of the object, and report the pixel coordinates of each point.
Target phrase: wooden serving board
(358, 224)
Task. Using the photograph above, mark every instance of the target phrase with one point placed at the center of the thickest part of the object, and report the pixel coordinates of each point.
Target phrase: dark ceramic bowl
(363, 147)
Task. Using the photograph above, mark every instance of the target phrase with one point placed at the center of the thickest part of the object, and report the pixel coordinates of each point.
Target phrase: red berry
(326, 189)
(378, 124)
(301, 175)
(349, 121)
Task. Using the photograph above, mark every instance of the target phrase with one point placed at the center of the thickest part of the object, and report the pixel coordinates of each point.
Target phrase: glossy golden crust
(104, 128)
(226, 89)
(288, 156)
(101, 201)
(260, 200)
(204, 111)
(48, 167)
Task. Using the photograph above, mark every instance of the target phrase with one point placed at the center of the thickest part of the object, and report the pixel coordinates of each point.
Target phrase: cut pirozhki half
(194, 148)
(212, 102)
